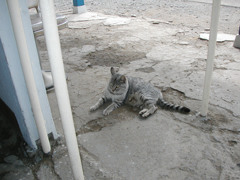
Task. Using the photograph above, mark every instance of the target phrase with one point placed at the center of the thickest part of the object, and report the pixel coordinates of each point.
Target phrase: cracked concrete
(159, 43)
(167, 145)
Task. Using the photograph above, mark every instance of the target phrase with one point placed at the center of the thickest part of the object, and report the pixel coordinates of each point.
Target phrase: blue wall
(8, 93)
(13, 89)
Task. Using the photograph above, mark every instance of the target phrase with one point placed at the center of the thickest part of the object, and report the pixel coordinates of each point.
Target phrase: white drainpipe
(56, 63)
(211, 53)
(14, 10)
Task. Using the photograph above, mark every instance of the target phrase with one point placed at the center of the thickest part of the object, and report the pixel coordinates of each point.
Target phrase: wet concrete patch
(92, 126)
(113, 57)
(146, 69)
(172, 94)
(218, 117)
(118, 115)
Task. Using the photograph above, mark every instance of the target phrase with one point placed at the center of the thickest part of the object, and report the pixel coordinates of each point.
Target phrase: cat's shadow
(124, 110)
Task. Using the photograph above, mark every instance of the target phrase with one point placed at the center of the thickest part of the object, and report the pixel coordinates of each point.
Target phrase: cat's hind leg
(147, 112)
(100, 102)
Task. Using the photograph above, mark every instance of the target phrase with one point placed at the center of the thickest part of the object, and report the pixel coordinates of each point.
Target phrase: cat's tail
(166, 105)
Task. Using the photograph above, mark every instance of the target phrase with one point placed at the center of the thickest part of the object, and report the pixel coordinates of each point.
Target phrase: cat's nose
(114, 88)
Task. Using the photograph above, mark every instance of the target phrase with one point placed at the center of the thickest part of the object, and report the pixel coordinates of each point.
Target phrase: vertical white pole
(56, 62)
(211, 53)
(15, 14)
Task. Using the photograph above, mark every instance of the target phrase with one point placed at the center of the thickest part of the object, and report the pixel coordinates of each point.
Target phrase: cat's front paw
(106, 112)
(93, 108)
(144, 113)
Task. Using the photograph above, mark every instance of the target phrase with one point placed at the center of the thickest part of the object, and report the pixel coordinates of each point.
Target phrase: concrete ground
(160, 43)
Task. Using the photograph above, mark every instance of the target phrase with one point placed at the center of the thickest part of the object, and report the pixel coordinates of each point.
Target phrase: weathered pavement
(166, 51)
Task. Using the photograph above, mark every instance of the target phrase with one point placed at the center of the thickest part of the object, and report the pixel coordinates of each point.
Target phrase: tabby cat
(134, 92)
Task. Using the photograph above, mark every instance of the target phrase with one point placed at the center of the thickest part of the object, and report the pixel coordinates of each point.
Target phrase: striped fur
(134, 92)
(166, 105)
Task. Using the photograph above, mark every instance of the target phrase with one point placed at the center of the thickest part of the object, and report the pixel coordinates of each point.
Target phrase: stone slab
(157, 148)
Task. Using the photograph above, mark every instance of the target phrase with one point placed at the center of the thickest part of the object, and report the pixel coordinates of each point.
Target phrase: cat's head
(118, 83)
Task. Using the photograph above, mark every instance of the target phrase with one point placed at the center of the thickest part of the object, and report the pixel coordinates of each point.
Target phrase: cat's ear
(123, 78)
(114, 70)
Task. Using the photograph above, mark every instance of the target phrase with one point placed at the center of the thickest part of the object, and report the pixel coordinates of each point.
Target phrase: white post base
(237, 42)
(79, 9)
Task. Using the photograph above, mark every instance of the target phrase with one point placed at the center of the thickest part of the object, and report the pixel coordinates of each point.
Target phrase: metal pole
(211, 53)
(15, 14)
(57, 68)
